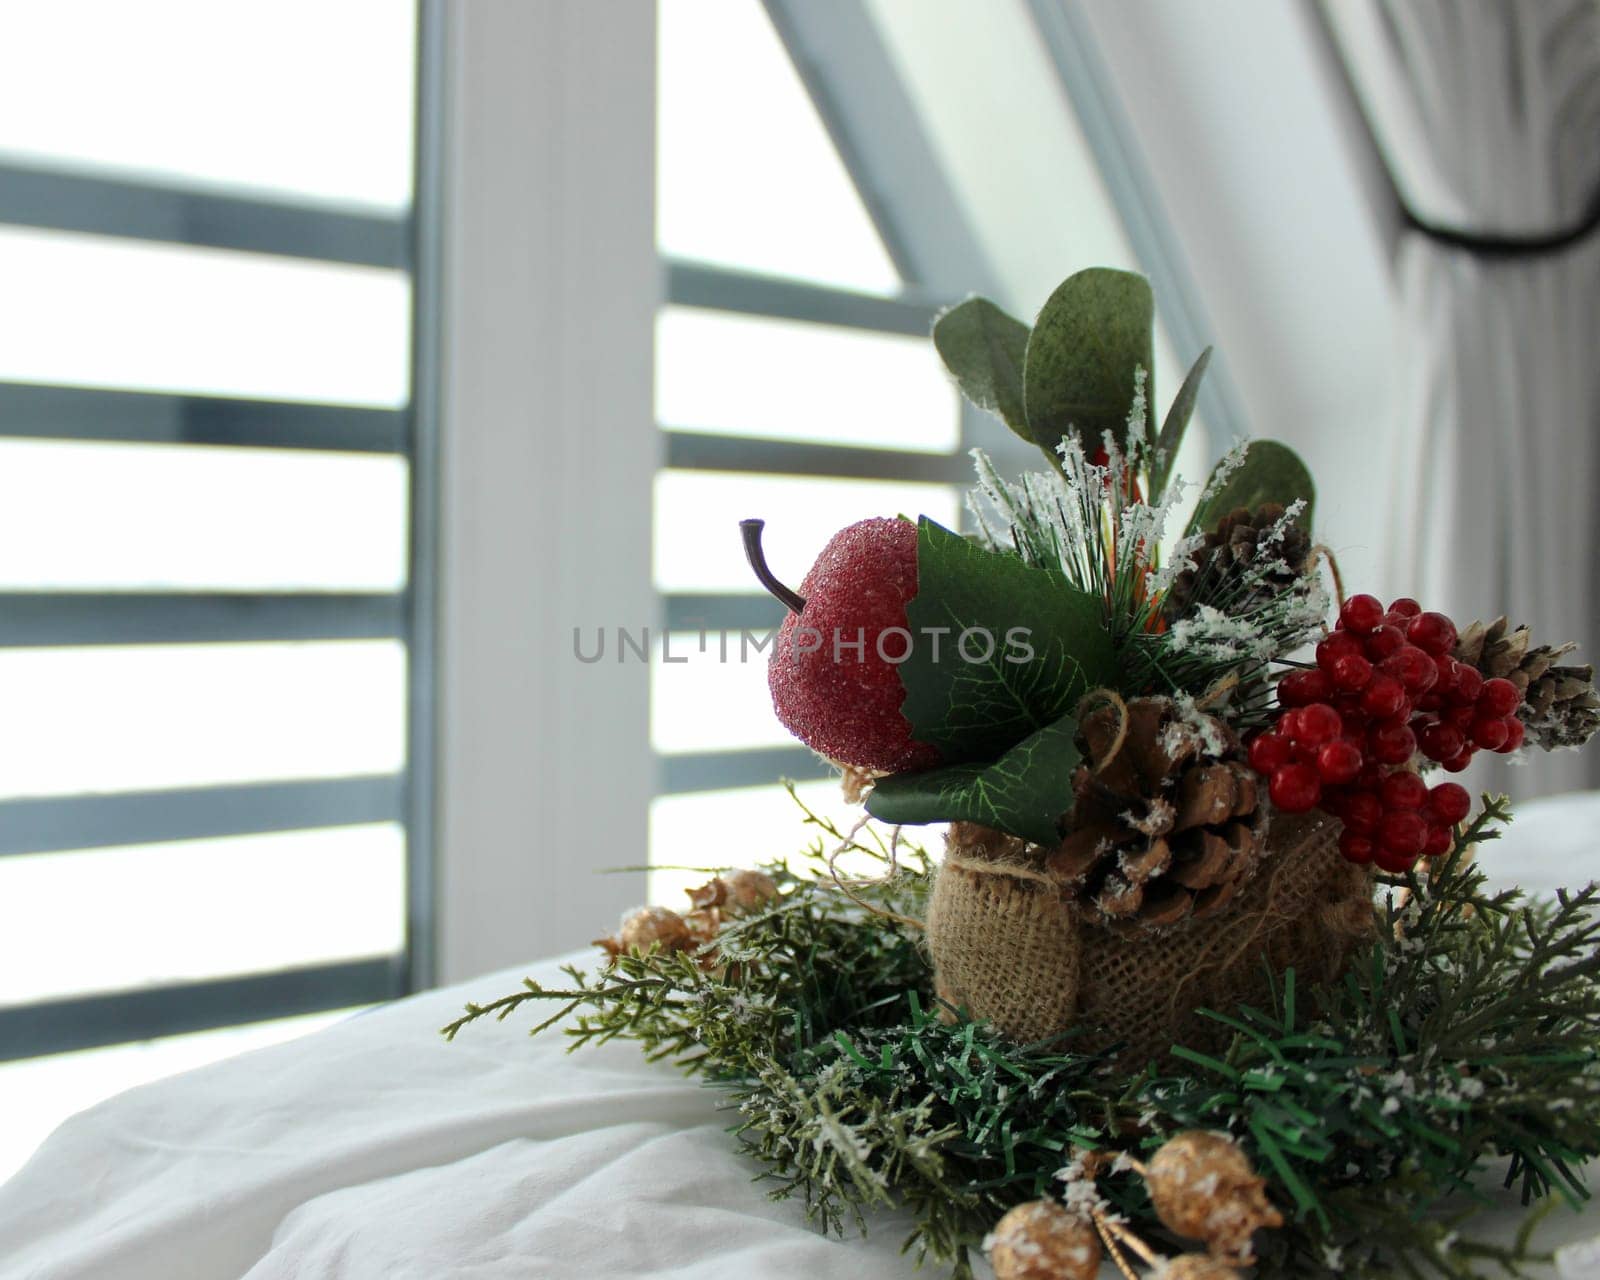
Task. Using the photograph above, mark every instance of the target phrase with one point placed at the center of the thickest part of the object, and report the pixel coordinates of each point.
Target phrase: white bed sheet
(373, 1149)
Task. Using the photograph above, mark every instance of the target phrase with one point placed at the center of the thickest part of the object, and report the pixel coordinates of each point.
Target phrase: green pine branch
(1461, 1045)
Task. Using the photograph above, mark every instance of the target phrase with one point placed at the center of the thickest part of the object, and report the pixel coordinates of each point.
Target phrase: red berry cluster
(1384, 687)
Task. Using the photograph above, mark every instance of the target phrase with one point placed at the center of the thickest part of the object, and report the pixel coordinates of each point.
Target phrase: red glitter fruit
(840, 700)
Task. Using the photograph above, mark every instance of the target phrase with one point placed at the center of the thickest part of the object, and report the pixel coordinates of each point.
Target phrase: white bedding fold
(374, 1149)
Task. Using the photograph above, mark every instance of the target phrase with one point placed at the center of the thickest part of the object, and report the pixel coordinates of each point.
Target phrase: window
(794, 381)
(215, 507)
(826, 182)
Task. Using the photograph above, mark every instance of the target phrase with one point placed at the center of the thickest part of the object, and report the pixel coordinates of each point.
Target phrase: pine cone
(1235, 548)
(1166, 822)
(1560, 707)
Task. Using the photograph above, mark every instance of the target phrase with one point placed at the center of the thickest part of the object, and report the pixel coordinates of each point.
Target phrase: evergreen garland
(1461, 1042)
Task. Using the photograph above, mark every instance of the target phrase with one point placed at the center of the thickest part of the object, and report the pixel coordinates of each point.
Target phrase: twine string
(850, 842)
(1324, 552)
(1120, 738)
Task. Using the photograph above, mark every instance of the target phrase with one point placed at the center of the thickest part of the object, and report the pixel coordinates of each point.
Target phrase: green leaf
(983, 348)
(1078, 374)
(1176, 423)
(1039, 645)
(1270, 472)
(1024, 792)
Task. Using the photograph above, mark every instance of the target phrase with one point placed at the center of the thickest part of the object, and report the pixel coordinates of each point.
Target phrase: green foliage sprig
(1073, 557)
(1461, 1043)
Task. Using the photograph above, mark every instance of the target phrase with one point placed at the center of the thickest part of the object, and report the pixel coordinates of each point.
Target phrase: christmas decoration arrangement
(1206, 976)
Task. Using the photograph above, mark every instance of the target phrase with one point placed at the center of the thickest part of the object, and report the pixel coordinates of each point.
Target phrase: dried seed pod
(1041, 1240)
(1205, 1188)
(654, 926)
(735, 891)
(703, 923)
(749, 889)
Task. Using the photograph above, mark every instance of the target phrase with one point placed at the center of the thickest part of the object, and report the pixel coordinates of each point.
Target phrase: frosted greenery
(1460, 1046)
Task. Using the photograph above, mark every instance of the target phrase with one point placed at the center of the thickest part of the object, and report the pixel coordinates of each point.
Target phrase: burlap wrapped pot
(1010, 946)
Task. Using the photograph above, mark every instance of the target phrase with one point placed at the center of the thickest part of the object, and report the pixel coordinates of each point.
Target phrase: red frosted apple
(834, 671)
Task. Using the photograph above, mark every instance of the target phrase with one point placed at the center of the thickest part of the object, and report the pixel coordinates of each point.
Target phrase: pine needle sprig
(1089, 522)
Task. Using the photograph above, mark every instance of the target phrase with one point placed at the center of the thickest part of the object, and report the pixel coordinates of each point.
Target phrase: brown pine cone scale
(1236, 550)
(1166, 823)
(1560, 706)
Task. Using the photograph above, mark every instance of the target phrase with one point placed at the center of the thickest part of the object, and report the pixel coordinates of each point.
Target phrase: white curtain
(1488, 116)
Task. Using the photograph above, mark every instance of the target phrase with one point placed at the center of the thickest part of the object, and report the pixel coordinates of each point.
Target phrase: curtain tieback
(1488, 244)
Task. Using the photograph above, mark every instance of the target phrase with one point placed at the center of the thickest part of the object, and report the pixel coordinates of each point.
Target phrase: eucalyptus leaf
(999, 650)
(1093, 333)
(984, 348)
(1024, 793)
(1176, 423)
(1270, 472)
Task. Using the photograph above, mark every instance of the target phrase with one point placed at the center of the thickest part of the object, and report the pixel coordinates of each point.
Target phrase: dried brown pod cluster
(1204, 1188)
(650, 927)
(730, 894)
(1167, 823)
(735, 891)
(1043, 1240)
(1560, 706)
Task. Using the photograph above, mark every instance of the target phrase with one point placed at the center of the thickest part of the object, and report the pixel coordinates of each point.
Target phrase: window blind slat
(65, 1025)
(35, 618)
(84, 413)
(48, 824)
(62, 201)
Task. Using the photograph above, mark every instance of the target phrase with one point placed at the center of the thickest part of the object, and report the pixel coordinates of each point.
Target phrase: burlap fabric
(1009, 946)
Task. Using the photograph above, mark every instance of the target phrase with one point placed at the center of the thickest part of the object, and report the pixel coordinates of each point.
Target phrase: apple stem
(751, 529)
